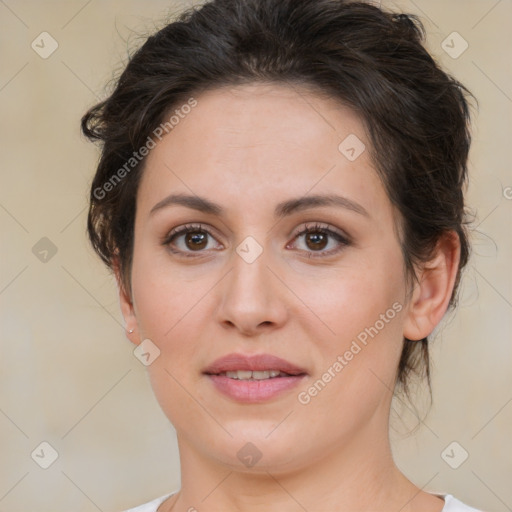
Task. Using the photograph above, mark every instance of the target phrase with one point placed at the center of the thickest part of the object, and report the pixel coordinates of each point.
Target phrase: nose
(252, 299)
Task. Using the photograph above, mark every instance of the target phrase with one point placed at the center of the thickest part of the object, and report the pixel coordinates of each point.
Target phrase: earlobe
(126, 304)
(432, 293)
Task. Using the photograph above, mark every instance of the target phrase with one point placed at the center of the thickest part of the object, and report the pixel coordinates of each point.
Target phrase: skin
(248, 148)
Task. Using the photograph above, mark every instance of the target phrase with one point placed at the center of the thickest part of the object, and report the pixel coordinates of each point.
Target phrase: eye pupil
(319, 240)
(197, 238)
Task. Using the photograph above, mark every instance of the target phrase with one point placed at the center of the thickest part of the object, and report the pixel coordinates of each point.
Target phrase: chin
(253, 450)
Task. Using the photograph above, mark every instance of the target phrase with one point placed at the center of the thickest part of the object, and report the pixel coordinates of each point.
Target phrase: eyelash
(315, 228)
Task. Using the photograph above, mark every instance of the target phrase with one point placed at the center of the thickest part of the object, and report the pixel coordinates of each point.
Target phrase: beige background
(68, 374)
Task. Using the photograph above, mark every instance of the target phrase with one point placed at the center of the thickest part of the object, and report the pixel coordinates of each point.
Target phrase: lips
(230, 375)
(257, 362)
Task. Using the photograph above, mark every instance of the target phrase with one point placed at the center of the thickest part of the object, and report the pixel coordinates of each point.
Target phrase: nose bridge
(250, 275)
(250, 295)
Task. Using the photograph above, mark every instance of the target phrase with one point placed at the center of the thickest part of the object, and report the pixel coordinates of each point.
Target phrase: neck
(357, 475)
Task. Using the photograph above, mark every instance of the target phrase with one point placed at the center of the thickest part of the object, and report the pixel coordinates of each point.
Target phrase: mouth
(256, 367)
(254, 375)
(253, 378)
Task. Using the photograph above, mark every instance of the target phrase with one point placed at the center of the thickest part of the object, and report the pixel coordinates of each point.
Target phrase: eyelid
(189, 226)
(320, 226)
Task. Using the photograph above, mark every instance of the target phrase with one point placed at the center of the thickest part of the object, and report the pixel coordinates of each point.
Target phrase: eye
(318, 237)
(188, 239)
(194, 238)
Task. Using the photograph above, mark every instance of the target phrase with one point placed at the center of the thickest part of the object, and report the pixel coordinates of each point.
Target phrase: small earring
(130, 331)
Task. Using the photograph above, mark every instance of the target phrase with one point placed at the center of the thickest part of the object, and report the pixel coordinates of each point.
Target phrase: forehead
(266, 139)
(252, 114)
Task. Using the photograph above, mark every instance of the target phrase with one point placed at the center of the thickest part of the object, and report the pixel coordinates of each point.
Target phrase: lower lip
(254, 391)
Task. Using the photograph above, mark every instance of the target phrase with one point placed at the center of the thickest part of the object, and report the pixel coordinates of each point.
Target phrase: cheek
(167, 308)
(346, 300)
(171, 309)
(359, 311)
(162, 296)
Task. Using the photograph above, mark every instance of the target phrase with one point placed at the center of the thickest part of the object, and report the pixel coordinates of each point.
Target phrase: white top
(451, 504)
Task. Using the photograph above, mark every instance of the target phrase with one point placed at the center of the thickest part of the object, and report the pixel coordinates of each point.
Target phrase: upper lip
(257, 362)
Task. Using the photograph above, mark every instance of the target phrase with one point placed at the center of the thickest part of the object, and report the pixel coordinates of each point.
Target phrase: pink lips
(233, 362)
(253, 391)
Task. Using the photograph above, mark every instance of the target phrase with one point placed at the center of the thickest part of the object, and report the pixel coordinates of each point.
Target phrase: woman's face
(247, 280)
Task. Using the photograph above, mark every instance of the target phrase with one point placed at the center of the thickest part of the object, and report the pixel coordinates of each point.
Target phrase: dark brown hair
(373, 61)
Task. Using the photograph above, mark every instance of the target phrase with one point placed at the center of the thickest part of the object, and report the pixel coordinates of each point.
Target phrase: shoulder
(151, 506)
(452, 504)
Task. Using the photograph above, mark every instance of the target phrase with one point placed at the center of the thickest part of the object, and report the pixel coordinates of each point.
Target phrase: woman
(280, 197)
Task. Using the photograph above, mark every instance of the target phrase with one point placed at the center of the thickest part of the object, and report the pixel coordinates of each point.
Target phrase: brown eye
(189, 239)
(196, 240)
(316, 241)
(317, 237)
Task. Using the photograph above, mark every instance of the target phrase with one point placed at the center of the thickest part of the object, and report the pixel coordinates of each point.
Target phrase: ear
(432, 293)
(126, 304)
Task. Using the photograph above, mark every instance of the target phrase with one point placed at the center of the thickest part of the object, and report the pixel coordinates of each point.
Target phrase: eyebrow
(281, 210)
